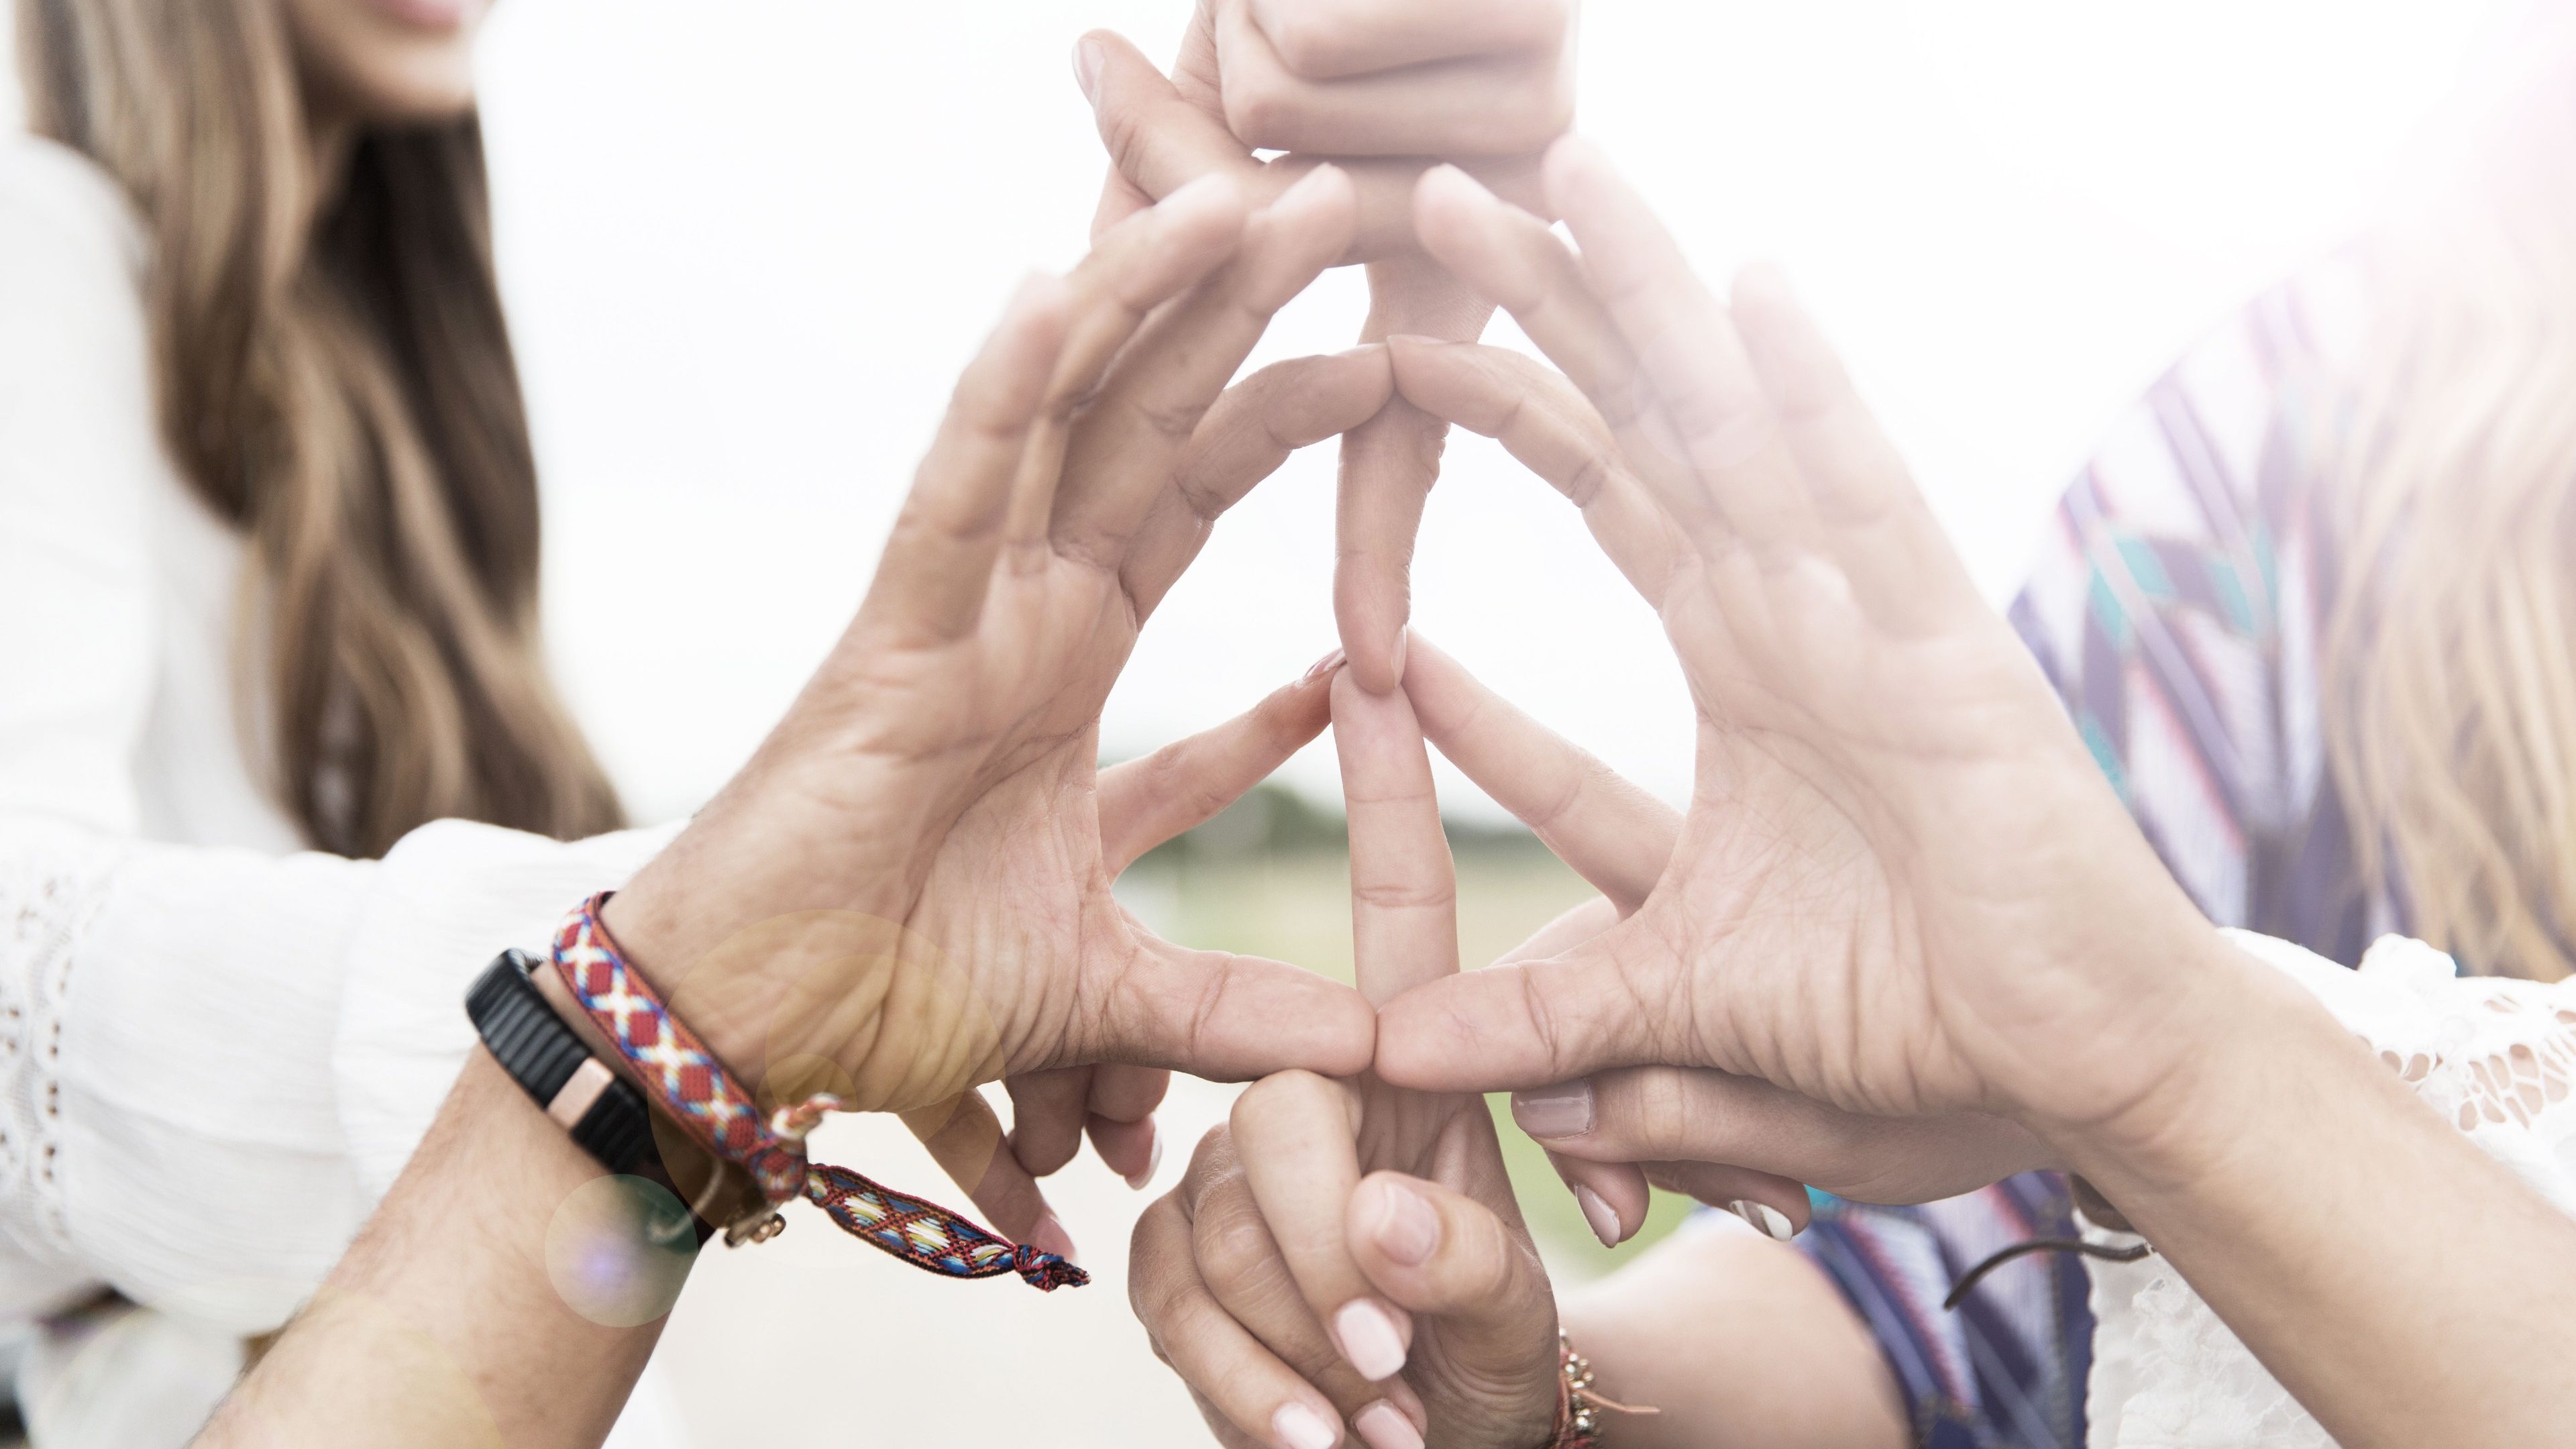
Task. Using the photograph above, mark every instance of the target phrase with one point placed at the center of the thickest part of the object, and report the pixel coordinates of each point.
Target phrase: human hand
(1357, 79)
(1348, 1251)
(1734, 1142)
(1903, 887)
(907, 891)
(1143, 803)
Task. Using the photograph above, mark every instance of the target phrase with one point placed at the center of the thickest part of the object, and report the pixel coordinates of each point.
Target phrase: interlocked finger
(1240, 1261)
(1224, 1364)
(1247, 433)
(1543, 421)
(1121, 455)
(1297, 1134)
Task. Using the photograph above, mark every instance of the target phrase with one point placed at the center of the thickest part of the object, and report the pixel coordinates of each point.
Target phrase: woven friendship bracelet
(706, 1101)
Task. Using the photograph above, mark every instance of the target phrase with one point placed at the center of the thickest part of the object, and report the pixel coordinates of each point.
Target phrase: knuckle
(1170, 422)
(1659, 1108)
(1236, 1253)
(1312, 40)
(1261, 113)
(1278, 1096)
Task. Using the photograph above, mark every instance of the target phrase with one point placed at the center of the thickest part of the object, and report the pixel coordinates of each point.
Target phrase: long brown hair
(2449, 661)
(335, 378)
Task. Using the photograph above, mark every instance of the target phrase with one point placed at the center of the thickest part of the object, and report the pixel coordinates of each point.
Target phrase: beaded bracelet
(1579, 1406)
(704, 1099)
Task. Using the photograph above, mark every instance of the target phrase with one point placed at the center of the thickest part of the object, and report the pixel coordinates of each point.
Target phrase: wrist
(725, 924)
(2239, 1031)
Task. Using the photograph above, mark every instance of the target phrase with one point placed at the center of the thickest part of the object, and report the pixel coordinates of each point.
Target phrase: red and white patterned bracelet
(699, 1094)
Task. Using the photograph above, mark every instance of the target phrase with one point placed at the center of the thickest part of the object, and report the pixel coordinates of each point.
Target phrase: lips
(438, 15)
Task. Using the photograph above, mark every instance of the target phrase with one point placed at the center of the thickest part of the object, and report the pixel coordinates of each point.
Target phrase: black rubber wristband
(543, 1054)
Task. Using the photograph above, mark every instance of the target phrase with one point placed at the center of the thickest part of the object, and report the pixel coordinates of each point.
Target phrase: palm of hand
(1885, 823)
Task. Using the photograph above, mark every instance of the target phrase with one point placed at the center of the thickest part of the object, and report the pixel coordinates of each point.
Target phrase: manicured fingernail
(1299, 1427)
(1396, 660)
(1408, 1229)
(1087, 60)
(1605, 1223)
(1773, 1222)
(1563, 1110)
(1369, 1339)
(1153, 1161)
(1049, 1236)
(1384, 1426)
(1322, 667)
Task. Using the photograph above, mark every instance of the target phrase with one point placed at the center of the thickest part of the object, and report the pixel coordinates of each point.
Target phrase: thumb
(1531, 1023)
(1443, 1255)
(1221, 1016)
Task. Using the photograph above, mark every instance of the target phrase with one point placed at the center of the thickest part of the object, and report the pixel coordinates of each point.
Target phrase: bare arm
(444, 1324)
(1736, 1341)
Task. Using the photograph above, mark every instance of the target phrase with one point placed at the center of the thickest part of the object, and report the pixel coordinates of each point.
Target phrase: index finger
(1296, 1135)
(1404, 888)
(1615, 835)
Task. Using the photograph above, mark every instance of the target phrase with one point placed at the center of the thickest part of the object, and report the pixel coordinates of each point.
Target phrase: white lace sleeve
(212, 1062)
(2497, 1058)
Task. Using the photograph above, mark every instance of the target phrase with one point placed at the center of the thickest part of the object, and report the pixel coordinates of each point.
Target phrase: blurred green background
(1271, 876)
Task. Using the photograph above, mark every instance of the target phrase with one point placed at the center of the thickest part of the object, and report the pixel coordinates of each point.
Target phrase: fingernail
(1563, 1110)
(1196, 192)
(1396, 660)
(1153, 1161)
(1086, 68)
(1408, 1229)
(1368, 1338)
(1605, 1223)
(1322, 667)
(1772, 1222)
(1306, 185)
(1299, 1427)
(1384, 1426)
(1049, 1236)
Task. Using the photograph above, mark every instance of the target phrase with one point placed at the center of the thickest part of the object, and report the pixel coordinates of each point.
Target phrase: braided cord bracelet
(706, 1101)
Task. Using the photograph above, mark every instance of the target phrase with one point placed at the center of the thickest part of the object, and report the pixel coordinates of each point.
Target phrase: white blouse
(216, 1049)
(2495, 1058)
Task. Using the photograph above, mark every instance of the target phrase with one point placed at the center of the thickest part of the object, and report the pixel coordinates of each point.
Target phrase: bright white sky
(747, 245)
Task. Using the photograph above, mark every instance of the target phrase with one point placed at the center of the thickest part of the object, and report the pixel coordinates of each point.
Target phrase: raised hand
(1903, 887)
(907, 891)
(1346, 1251)
(1354, 79)
(1730, 1141)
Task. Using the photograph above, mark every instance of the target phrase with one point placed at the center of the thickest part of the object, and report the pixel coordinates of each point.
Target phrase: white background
(746, 246)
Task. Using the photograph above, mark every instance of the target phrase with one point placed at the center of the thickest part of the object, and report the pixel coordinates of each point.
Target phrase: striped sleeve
(2159, 609)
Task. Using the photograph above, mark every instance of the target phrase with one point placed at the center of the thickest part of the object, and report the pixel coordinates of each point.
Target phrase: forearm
(444, 1323)
(2296, 1182)
(1737, 1341)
